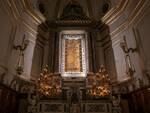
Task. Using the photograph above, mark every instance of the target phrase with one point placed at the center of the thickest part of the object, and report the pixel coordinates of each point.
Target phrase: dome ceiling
(53, 9)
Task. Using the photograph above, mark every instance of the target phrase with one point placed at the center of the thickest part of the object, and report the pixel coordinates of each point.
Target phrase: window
(73, 60)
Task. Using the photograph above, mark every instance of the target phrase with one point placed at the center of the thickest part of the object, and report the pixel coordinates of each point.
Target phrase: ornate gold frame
(84, 53)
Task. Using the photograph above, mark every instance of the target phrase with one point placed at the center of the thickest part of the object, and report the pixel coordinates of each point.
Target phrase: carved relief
(96, 108)
(53, 108)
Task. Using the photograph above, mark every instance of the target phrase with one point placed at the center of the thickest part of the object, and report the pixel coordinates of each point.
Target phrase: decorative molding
(115, 12)
(37, 16)
(131, 18)
(98, 107)
(11, 9)
(33, 40)
(72, 36)
(7, 7)
(51, 107)
(15, 9)
(12, 13)
(32, 30)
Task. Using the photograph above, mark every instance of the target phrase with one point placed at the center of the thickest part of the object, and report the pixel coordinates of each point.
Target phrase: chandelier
(49, 84)
(99, 83)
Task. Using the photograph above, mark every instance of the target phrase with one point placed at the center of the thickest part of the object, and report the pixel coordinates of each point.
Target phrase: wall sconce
(130, 70)
(125, 48)
(21, 48)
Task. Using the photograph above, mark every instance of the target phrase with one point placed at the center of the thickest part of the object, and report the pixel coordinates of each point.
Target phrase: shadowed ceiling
(52, 9)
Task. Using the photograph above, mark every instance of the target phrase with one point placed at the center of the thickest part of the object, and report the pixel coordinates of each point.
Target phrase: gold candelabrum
(99, 83)
(129, 66)
(49, 84)
(21, 48)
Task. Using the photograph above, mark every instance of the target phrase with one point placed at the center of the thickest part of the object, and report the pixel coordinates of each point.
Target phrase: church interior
(74, 56)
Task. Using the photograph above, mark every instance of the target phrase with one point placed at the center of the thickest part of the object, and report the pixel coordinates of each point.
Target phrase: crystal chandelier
(49, 84)
(99, 83)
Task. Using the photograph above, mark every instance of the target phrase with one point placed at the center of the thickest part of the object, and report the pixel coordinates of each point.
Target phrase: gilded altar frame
(76, 53)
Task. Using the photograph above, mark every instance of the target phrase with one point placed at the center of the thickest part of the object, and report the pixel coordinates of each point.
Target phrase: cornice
(131, 18)
(115, 12)
(13, 11)
(16, 11)
(31, 12)
(76, 22)
(32, 31)
(36, 16)
(29, 27)
(7, 6)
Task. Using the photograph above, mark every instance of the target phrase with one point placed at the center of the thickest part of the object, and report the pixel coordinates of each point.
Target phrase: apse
(74, 56)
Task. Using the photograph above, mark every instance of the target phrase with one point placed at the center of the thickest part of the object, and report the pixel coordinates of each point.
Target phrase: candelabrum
(21, 48)
(49, 84)
(100, 83)
(129, 66)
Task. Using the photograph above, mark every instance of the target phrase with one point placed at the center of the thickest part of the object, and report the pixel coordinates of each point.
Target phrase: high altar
(74, 84)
